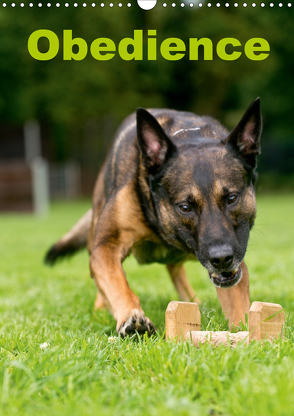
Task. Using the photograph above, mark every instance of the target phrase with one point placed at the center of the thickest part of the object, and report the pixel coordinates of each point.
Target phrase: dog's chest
(150, 252)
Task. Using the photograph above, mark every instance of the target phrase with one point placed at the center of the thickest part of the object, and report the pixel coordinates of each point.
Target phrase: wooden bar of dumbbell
(183, 322)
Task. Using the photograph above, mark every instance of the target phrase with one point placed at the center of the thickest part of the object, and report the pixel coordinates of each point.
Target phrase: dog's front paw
(136, 322)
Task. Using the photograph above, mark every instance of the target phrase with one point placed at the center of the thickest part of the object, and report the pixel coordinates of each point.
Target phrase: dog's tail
(72, 241)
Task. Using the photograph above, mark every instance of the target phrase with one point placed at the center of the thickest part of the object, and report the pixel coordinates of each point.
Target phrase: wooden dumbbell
(183, 322)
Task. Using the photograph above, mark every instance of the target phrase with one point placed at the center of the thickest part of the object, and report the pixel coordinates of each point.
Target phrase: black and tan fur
(175, 186)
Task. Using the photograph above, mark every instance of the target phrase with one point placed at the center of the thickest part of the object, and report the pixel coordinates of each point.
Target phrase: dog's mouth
(226, 279)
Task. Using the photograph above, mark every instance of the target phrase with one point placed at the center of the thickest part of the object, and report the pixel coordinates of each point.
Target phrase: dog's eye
(232, 199)
(184, 208)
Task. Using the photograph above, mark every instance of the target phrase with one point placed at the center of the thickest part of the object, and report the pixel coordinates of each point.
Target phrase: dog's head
(202, 190)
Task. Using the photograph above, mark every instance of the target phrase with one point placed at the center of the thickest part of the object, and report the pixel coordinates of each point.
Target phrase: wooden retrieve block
(183, 322)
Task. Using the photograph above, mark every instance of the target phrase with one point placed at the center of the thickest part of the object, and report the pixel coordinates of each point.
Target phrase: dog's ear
(245, 137)
(155, 145)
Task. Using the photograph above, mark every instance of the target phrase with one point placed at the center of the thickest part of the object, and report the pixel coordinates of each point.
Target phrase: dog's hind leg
(99, 302)
(179, 278)
(235, 301)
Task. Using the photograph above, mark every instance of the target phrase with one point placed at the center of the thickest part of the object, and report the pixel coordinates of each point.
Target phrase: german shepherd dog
(175, 186)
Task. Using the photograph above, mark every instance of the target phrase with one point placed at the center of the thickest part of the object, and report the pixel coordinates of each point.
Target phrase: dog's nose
(221, 257)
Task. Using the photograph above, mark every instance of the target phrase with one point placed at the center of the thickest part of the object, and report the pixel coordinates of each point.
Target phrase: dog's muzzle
(226, 279)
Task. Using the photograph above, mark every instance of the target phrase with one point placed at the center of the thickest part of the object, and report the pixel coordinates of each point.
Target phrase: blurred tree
(67, 94)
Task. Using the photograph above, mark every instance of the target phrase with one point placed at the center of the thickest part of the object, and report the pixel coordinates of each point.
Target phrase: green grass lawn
(86, 370)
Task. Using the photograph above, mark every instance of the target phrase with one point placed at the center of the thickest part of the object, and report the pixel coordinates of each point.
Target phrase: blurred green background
(79, 104)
